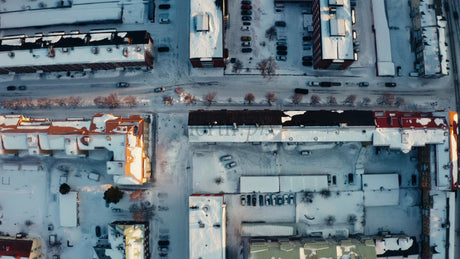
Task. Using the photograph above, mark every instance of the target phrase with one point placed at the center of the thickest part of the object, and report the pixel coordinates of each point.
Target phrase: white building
(385, 65)
(207, 227)
(68, 209)
(77, 137)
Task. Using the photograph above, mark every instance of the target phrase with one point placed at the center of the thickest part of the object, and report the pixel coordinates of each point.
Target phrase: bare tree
(168, 100)
(307, 197)
(366, 101)
(400, 102)
(268, 67)
(189, 98)
(388, 99)
(270, 33)
(331, 100)
(329, 220)
(315, 99)
(74, 101)
(237, 66)
(271, 98)
(249, 98)
(44, 103)
(179, 90)
(351, 219)
(112, 101)
(99, 101)
(59, 102)
(209, 98)
(325, 193)
(297, 98)
(219, 180)
(131, 101)
(350, 100)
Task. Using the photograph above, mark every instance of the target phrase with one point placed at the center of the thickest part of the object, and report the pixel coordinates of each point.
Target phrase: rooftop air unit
(202, 22)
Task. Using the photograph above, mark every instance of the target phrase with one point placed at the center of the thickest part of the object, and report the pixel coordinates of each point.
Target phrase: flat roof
(68, 212)
(207, 227)
(385, 65)
(301, 183)
(206, 44)
(336, 30)
(250, 184)
(380, 189)
(268, 229)
(76, 14)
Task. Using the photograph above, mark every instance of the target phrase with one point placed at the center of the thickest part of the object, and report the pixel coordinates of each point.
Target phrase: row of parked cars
(246, 17)
(267, 199)
(281, 44)
(228, 162)
(13, 87)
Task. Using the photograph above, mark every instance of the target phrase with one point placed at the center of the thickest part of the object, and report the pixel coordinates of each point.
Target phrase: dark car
(301, 91)
(390, 84)
(307, 58)
(11, 88)
(22, 87)
(246, 23)
(245, 2)
(163, 242)
(281, 47)
(246, 12)
(248, 197)
(246, 50)
(159, 89)
(329, 84)
(98, 231)
(163, 49)
(363, 84)
(254, 200)
(164, 6)
(122, 84)
(279, 200)
(306, 38)
(246, 7)
(261, 200)
(351, 178)
(280, 24)
(281, 52)
(246, 18)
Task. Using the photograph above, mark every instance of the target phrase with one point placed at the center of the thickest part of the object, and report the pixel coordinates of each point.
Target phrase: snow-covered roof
(250, 184)
(268, 229)
(123, 136)
(385, 65)
(394, 245)
(207, 233)
(77, 14)
(439, 217)
(300, 183)
(206, 29)
(336, 30)
(127, 240)
(68, 212)
(380, 189)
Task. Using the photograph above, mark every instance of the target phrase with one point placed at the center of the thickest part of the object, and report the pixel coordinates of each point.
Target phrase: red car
(246, 7)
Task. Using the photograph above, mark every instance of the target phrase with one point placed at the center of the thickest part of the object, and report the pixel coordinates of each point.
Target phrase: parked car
(246, 38)
(98, 231)
(225, 158)
(246, 7)
(159, 89)
(94, 176)
(306, 38)
(329, 84)
(254, 200)
(246, 50)
(279, 200)
(163, 242)
(246, 12)
(22, 87)
(163, 49)
(243, 200)
(11, 88)
(280, 23)
(245, 28)
(281, 43)
(246, 44)
(312, 83)
(261, 200)
(307, 63)
(291, 198)
(305, 152)
(351, 178)
(248, 198)
(245, 2)
(363, 84)
(286, 199)
(164, 6)
(246, 18)
(355, 35)
(268, 200)
(122, 84)
(281, 52)
(307, 58)
(390, 84)
(163, 249)
(274, 200)
(282, 47)
(301, 91)
(164, 20)
(247, 23)
(281, 58)
(230, 165)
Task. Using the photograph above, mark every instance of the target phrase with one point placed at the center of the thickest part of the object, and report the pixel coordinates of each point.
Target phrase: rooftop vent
(202, 22)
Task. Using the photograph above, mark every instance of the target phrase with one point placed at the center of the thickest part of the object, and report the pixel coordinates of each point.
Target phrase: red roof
(15, 247)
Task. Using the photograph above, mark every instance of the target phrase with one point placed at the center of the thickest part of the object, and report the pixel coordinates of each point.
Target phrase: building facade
(76, 52)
